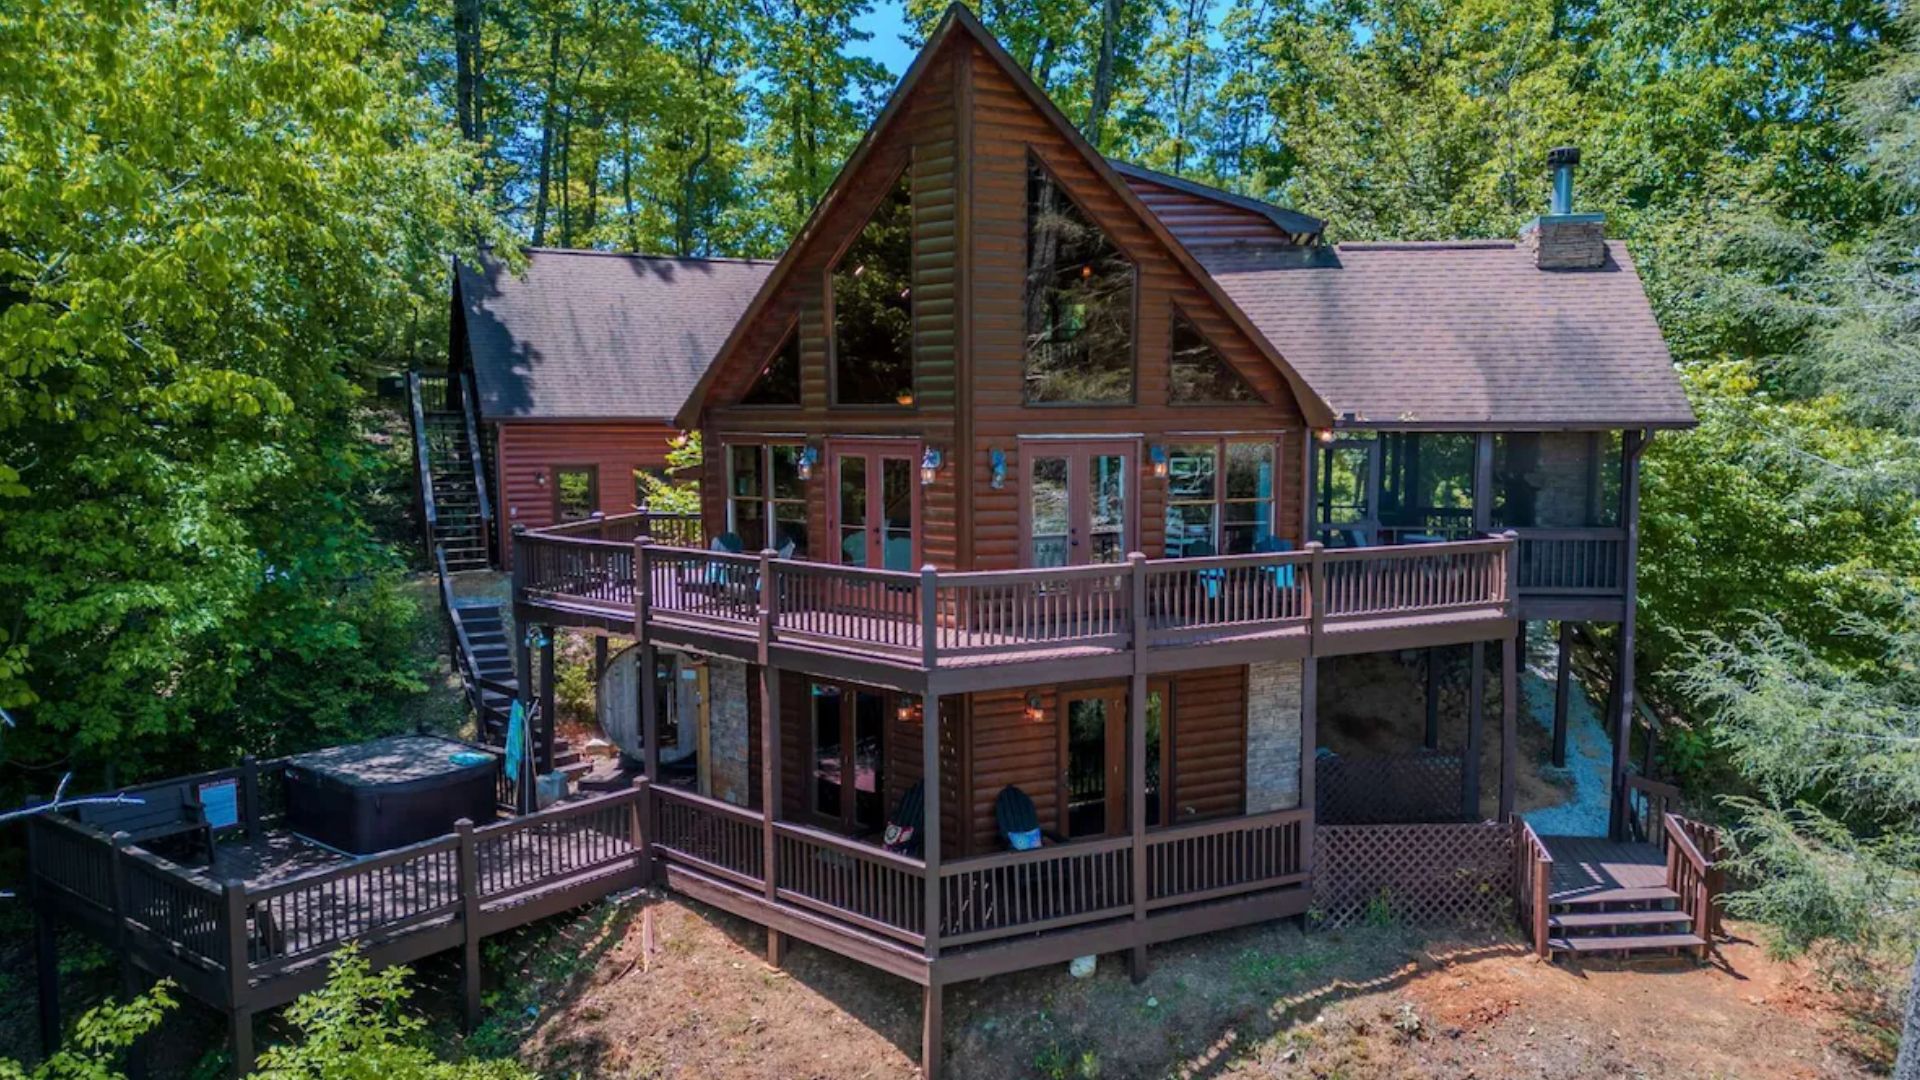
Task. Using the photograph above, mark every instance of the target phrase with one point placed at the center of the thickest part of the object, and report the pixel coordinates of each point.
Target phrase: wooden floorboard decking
(1592, 870)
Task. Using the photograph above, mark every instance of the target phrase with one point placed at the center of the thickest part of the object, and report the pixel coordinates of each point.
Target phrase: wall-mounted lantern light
(909, 711)
(1157, 455)
(1034, 712)
(997, 458)
(1324, 434)
(803, 468)
(929, 465)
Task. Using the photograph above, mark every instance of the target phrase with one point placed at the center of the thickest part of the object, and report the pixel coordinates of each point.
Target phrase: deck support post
(931, 1032)
(548, 702)
(1309, 755)
(769, 750)
(239, 1013)
(1633, 444)
(1432, 664)
(599, 658)
(1137, 761)
(250, 794)
(46, 954)
(646, 674)
(1509, 726)
(1476, 714)
(1483, 483)
(469, 885)
(1562, 673)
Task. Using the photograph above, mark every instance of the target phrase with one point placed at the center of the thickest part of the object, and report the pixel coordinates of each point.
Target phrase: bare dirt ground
(1258, 1002)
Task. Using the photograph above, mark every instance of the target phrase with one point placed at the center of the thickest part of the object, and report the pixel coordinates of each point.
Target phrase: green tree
(99, 1040)
(215, 219)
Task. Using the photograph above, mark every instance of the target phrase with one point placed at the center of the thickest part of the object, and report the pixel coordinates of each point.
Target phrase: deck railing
(1532, 876)
(707, 834)
(870, 887)
(1207, 860)
(680, 530)
(1693, 852)
(1025, 891)
(932, 616)
(187, 923)
(1572, 561)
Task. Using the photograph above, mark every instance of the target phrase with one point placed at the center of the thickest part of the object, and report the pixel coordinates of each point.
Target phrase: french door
(876, 504)
(847, 756)
(1079, 503)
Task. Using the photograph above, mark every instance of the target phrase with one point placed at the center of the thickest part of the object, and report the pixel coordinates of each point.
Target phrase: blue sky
(886, 22)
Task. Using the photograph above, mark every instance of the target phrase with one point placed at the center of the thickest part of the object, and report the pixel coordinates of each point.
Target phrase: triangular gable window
(779, 381)
(1200, 374)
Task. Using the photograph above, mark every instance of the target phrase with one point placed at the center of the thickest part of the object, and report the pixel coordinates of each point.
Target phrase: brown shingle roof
(1463, 334)
(595, 335)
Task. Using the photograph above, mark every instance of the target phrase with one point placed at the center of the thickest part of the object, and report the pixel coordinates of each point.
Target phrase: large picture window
(873, 308)
(1079, 303)
(766, 499)
(1220, 499)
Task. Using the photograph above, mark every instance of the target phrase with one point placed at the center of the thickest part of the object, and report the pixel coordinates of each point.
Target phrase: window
(1220, 499)
(1079, 303)
(1200, 375)
(766, 500)
(576, 492)
(779, 382)
(873, 308)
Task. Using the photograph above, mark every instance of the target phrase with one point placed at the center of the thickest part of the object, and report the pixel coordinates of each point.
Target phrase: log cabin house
(1039, 489)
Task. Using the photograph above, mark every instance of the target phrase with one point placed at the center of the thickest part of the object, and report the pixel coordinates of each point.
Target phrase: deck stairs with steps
(1608, 898)
(450, 477)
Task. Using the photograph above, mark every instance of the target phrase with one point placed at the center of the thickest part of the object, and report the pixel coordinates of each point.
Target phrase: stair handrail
(463, 646)
(424, 472)
(1691, 873)
(1533, 871)
(469, 404)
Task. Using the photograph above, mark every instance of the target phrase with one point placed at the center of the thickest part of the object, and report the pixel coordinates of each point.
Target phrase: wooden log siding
(527, 453)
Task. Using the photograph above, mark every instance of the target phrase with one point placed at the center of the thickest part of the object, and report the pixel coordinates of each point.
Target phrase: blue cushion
(1024, 841)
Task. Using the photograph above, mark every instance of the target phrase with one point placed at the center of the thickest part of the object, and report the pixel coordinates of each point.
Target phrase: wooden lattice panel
(1458, 874)
(1396, 789)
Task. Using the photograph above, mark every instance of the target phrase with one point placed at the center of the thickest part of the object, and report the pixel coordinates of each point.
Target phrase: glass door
(1078, 503)
(876, 504)
(1094, 757)
(1349, 493)
(848, 759)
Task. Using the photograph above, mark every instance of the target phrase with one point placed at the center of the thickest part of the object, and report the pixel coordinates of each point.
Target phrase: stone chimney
(1562, 239)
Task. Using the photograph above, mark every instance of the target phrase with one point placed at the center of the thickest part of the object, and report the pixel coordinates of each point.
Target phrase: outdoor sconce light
(904, 397)
(803, 468)
(540, 478)
(1158, 456)
(1035, 713)
(929, 465)
(909, 712)
(1324, 434)
(997, 458)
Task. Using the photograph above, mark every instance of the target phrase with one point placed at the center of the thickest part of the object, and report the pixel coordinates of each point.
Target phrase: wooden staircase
(1587, 896)
(450, 478)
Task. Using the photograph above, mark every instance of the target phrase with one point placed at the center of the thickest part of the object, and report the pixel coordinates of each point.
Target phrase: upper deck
(936, 630)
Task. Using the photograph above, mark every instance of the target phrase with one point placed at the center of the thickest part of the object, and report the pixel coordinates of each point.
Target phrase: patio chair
(1268, 545)
(904, 824)
(1019, 822)
(1210, 580)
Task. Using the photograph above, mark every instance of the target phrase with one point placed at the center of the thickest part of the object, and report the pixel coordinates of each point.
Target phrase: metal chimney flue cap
(1563, 155)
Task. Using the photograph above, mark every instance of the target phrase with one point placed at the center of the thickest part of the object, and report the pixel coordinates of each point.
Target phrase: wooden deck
(1174, 613)
(1597, 870)
(256, 928)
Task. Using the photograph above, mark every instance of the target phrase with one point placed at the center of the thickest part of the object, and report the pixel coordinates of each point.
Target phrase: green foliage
(356, 1028)
(99, 1041)
(215, 219)
(679, 491)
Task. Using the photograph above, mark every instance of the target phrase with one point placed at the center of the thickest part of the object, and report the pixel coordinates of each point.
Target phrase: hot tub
(389, 793)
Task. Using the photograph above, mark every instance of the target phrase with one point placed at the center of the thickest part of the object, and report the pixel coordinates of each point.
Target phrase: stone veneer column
(1273, 736)
(727, 692)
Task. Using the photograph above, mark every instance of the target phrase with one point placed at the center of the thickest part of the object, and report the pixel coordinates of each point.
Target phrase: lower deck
(1591, 869)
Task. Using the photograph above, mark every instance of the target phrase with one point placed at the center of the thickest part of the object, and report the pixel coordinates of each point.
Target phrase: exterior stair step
(1601, 920)
(1623, 943)
(1604, 897)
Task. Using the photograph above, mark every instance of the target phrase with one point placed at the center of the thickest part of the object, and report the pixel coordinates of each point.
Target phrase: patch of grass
(1059, 1062)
